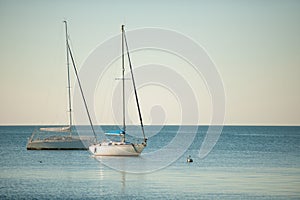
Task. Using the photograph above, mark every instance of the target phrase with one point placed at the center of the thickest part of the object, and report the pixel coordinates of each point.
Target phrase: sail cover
(57, 129)
(115, 132)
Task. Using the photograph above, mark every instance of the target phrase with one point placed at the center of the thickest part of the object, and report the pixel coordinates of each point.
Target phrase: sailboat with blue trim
(122, 147)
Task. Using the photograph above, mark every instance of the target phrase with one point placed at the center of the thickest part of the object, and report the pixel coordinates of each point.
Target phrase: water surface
(246, 163)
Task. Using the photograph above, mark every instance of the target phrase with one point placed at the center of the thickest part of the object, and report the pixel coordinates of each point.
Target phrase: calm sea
(248, 162)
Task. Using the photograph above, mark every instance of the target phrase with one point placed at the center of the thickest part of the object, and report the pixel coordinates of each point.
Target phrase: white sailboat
(60, 138)
(122, 147)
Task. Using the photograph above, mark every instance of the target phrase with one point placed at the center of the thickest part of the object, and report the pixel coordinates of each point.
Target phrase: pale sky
(255, 46)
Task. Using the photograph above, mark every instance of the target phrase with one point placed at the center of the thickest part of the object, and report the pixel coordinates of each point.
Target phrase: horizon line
(154, 125)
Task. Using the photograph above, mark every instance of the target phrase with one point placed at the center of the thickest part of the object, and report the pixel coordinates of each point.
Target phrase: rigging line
(85, 104)
(134, 148)
(68, 70)
(135, 92)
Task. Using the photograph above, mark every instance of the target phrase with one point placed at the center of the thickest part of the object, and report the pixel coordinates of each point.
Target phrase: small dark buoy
(189, 159)
(41, 161)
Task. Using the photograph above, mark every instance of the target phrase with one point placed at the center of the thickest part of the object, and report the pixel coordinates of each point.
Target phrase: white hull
(60, 143)
(117, 149)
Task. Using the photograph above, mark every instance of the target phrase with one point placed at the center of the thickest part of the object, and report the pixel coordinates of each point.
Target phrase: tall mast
(123, 81)
(68, 70)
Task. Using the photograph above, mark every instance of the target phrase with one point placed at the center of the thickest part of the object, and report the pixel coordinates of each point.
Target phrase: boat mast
(123, 82)
(68, 70)
(134, 87)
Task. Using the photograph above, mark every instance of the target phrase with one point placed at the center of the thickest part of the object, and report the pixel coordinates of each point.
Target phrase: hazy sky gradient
(255, 45)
